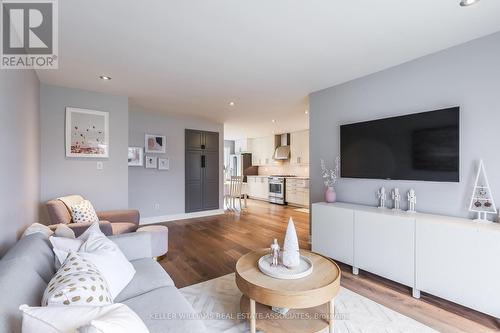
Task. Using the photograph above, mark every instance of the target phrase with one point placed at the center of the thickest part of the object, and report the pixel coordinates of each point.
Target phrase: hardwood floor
(206, 248)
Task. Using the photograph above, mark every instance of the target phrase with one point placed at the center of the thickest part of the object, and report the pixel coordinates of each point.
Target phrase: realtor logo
(29, 34)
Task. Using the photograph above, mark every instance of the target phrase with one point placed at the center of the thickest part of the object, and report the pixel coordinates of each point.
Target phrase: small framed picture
(87, 133)
(164, 164)
(151, 162)
(135, 156)
(155, 144)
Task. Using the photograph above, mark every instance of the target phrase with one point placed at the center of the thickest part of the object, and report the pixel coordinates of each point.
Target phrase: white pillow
(63, 230)
(104, 254)
(121, 320)
(63, 246)
(83, 212)
(77, 283)
(73, 319)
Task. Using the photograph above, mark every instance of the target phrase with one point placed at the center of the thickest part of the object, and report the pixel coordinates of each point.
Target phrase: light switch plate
(100, 166)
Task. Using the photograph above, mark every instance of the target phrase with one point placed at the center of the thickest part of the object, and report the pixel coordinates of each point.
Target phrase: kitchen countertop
(264, 176)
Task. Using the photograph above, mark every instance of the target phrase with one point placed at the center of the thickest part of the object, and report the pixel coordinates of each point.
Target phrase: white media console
(452, 258)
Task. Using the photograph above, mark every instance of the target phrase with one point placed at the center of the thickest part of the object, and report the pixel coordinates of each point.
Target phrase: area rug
(218, 300)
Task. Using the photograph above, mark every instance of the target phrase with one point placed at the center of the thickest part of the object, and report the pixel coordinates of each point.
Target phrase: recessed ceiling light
(306, 111)
(274, 120)
(465, 3)
(231, 103)
(105, 78)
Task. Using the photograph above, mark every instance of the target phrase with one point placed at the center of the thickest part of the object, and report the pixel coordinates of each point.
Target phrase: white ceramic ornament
(291, 254)
(412, 201)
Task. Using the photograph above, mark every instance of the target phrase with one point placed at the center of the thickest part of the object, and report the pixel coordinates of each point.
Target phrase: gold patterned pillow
(84, 212)
(77, 282)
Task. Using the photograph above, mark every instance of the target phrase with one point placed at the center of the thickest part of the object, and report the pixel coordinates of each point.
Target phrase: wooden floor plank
(206, 248)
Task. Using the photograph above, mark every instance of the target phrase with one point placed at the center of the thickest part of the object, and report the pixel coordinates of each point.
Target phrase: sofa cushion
(56, 319)
(165, 310)
(19, 284)
(77, 282)
(123, 227)
(149, 275)
(37, 250)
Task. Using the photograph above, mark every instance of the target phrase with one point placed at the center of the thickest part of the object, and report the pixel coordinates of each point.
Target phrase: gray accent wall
(148, 187)
(20, 163)
(61, 175)
(467, 76)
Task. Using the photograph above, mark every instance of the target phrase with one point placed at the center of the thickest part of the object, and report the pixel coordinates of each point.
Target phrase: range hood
(282, 151)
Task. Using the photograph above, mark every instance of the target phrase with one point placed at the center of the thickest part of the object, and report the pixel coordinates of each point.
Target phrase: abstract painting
(155, 144)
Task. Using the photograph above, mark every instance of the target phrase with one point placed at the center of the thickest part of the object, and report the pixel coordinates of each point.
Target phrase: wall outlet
(100, 166)
(157, 206)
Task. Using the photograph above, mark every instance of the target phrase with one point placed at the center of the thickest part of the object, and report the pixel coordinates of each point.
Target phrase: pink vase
(330, 194)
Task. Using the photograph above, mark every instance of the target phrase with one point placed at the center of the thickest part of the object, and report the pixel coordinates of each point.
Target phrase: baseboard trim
(182, 216)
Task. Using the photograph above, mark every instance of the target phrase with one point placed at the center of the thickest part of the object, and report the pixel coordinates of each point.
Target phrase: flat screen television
(422, 146)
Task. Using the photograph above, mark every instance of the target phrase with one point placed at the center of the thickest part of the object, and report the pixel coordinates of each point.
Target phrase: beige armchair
(110, 222)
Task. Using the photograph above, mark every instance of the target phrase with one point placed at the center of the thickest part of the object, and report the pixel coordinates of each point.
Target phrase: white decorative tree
(482, 201)
(291, 254)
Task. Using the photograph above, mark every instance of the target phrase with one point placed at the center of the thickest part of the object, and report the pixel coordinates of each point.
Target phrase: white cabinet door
(299, 150)
(459, 262)
(268, 150)
(333, 232)
(385, 245)
(257, 151)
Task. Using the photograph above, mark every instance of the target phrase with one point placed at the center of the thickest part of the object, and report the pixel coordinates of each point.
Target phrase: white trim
(182, 216)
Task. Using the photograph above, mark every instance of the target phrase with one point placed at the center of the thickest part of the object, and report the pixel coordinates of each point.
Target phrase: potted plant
(331, 177)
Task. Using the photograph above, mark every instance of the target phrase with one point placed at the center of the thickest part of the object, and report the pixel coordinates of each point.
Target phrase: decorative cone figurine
(291, 254)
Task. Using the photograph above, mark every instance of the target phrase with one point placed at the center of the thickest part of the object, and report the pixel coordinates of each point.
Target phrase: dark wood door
(211, 141)
(194, 181)
(211, 180)
(202, 170)
(194, 139)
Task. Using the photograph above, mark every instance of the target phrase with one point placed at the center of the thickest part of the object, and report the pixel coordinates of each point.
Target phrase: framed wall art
(87, 133)
(151, 162)
(135, 156)
(155, 144)
(164, 164)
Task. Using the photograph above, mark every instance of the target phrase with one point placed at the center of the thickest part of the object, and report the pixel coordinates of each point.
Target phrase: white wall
(19, 166)
(467, 75)
(107, 188)
(148, 187)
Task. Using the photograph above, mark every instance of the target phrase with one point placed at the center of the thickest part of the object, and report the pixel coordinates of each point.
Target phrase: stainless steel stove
(277, 189)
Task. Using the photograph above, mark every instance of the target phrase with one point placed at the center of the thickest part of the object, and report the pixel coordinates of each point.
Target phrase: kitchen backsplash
(285, 168)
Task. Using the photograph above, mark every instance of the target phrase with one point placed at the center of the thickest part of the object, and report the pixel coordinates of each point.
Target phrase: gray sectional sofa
(26, 269)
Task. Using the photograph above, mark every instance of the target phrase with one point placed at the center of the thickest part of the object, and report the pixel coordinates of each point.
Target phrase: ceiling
(195, 56)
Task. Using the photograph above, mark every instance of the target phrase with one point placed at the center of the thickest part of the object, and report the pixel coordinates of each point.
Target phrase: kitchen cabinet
(258, 187)
(242, 146)
(299, 148)
(263, 150)
(297, 192)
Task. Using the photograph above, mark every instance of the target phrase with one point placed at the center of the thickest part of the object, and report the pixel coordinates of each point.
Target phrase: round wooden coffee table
(311, 299)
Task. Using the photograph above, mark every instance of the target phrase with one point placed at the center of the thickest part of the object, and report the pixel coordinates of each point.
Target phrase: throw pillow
(63, 230)
(73, 319)
(83, 212)
(121, 320)
(62, 247)
(98, 249)
(77, 282)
